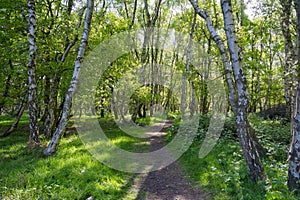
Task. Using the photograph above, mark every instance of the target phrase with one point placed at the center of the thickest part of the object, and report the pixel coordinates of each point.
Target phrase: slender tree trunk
(68, 99)
(221, 46)
(187, 63)
(270, 78)
(54, 96)
(49, 112)
(113, 104)
(32, 91)
(254, 165)
(294, 153)
(289, 53)
(52, 114)
(167, 103)
(193, 105)
(5, 93)
(258, 78)
(48, 101)
(247, 140)
(16, 122)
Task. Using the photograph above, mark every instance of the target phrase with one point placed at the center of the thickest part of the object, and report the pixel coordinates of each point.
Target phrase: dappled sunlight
(71, 173)
(149, 100)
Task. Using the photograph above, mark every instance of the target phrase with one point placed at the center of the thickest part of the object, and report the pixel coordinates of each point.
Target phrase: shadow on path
(168, 183)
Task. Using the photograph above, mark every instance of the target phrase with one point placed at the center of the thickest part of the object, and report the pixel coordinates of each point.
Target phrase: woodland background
(255, 46)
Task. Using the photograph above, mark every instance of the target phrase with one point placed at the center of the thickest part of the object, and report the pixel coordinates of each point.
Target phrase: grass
(71, 173)
(223, 172)
(149, 121)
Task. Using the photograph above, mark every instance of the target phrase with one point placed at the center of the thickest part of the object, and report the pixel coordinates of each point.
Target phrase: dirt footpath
(169, 183)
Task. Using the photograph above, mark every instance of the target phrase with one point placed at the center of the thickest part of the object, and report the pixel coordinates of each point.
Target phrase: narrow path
(169, 183)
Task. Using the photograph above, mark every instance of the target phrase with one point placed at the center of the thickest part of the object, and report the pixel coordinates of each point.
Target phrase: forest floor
(169, 183)
(73, 173)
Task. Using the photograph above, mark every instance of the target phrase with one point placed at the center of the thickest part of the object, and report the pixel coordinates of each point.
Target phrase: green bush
(143, 121)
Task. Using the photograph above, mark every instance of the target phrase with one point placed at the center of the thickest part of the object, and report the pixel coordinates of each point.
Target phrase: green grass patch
(150, 121)
(7, 120)
(71, 173)
(223, 171)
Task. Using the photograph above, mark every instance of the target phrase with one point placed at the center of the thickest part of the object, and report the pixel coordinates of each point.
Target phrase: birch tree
(294, 154)
(289, 73)
(236, 82)
(51, 114)
(244, 130)
(32, 90)
(68, 99)
(187, 63)
(17, 120)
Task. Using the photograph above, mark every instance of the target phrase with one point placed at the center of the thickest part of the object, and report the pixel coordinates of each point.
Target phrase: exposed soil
(169, 183)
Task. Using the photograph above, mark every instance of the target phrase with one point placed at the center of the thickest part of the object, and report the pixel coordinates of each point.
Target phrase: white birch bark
(220, 43)
(50, 113)
(288, 51)
(294, 154)
(32, 90)
(238, 94)
(254, 165)
(68, 99)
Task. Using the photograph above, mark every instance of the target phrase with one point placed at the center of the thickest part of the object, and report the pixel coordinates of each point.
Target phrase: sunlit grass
(223, 171)
(6, 121)
(71, 173)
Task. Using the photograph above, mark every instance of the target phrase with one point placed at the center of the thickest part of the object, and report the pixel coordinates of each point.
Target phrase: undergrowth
(223, 171)
(73, 173)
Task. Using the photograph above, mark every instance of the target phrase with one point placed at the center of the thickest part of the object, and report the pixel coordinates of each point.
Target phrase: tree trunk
(247, 140)
(48, 113)
(32, 90)
(113, 104)
(288, 53)
(294, 153)
(258, 77)
(68, 99)
(193, 104)
(187, 63)
(16, 122)
(254, 165)
(267, 103)
(218, 40)
(5, 93)
(52, 114)
(49, 110)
